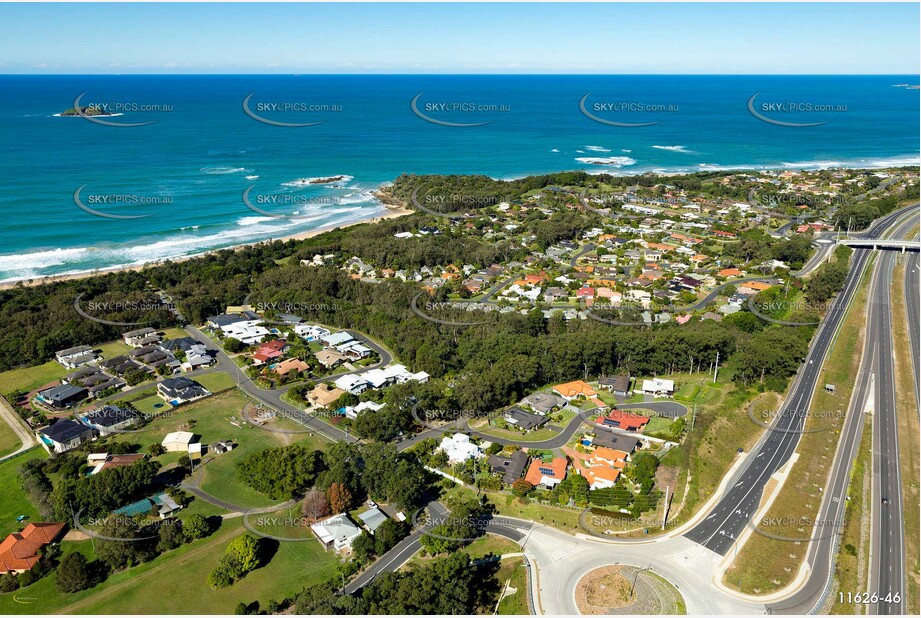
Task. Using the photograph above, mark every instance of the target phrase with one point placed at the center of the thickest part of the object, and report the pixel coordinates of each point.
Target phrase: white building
(352, 384)
(658, 386)
(310, 332)
(178, 441)
(352, 412)
(459, 448)
(249, 331)
(336, 532)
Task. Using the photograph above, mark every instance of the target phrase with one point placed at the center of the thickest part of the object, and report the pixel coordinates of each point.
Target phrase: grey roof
(543, 402)
(65, 430)
(511, 467)
(618, 383)
(80, 349)
(373, 518)
(615, 441)
(525, 420)
(63, 393)
(110, 415)
(226, 319)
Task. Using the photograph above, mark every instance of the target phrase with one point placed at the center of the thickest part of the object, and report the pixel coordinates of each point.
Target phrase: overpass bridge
(881, 243)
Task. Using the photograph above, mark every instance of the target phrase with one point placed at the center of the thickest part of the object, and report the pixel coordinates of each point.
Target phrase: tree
(315, 505)
(156, 449)
(363, 547)
(170, 535)
(387, 535)
(74, 573)
(195, 526)
(130, 550)
(240, 557)
(340, 498)
(233, 345)
(522, 488)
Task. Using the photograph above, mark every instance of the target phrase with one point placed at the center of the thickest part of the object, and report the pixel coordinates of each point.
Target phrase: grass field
(507, 504)
(216, 382)
(721, 427)
(176, 582)
(765, 564)
(908, 432)
(13, 501)
(113, 349)
(219, 417)
(9, 441)
(514, 574)
(28, 378)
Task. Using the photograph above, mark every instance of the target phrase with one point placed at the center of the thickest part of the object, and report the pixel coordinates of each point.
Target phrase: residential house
(619, 385)
(459, 448)
(177, 391)
(63, 395)
(311, 332)
(72, 358)
(525, 421)
(372, 519)
(219, 322)
(543, 403)
(20, 551)
(295, 365)
(547, 474)
(269, 351)
(511, 468)
(352, 412)
(336, 532)
(330, 358)
(65, 435)
(658, 386)
(352, 384)
(574, 390)
(249, 331)
(623, 420)
(336, 339)
(112, 419)
(141, 337)
(324, 395)
(603, 436)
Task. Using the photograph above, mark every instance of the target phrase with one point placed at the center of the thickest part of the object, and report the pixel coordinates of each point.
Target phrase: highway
(719, 531)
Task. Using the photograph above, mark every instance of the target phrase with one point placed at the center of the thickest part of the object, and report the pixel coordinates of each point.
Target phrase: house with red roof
(270, 350)
(623, 420)
(20, 551)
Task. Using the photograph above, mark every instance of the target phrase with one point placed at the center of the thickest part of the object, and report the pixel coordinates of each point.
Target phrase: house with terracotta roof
(547, 474)
(754, 286)
(292, 364)
(572, 390)
(623, 420)
(20, 551)
(730, 272)
(601, 477)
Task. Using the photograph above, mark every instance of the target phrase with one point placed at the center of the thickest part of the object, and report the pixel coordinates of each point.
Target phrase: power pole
(716, 367)
(665, 510)
(693, 416)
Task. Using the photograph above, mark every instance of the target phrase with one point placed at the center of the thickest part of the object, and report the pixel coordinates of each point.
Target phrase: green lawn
(13, 501)
(217, 381)
(491, 544)
(28, 378)
(219, 417)
(9, 441)
(657, 423)
(176, 582)
(113, 349)
(513, 574)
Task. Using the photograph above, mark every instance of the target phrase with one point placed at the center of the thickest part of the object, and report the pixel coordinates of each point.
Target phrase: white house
(352, 412)
(459, 448)
(249, 331)
(336, 532)
(336, 339)
(352, 384)
(658, 386)
(310, 332)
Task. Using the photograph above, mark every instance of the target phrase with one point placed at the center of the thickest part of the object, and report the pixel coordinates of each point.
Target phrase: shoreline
(394, 209)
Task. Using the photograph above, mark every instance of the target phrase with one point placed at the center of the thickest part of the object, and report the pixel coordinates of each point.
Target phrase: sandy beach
(394, 207)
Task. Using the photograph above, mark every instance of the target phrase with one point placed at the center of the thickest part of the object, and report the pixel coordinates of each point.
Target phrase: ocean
(170, 182)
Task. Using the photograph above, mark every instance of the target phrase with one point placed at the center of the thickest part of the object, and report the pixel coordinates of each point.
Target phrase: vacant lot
(29, 378)
(13, 501)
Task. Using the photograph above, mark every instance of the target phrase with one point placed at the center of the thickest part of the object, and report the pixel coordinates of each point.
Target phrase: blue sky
(460, 38)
